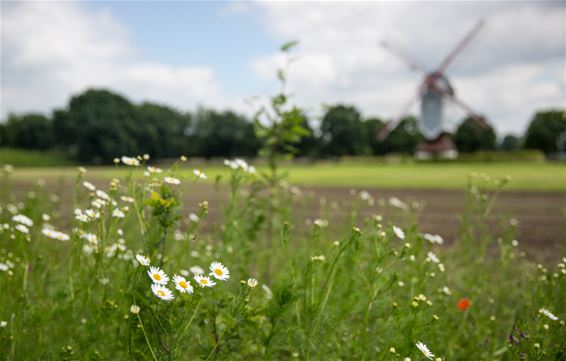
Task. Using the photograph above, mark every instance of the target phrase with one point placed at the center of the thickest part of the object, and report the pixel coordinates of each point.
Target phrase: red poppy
(464, 304)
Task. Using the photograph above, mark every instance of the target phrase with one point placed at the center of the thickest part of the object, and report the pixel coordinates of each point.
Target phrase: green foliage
(471, 137)
(33, 158)
(545, 130)
(223, 134)
(280, 126)
(342, 132)
(359, 288)
(403, 139)
(28, 131)
(510, 143)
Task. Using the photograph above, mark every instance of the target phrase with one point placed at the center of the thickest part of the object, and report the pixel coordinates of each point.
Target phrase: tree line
(97, 125)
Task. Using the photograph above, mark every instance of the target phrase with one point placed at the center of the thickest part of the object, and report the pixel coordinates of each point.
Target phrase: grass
(526, 176)
(360, 289)
(33, 158)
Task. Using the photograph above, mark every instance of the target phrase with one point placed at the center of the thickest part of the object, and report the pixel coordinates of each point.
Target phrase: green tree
(372, 127)
(98, 126)
(164, 131)
(403, 139)
(545, 129)
(342, 132)
(28, 131)
(224, 134)
(471, 137)
(510, 143)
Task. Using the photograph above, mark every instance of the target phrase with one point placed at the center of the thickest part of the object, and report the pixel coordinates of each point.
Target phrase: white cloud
(514, 67)
(52, 50)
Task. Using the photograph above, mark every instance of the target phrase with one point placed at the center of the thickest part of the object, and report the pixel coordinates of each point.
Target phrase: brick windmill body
(434, 92)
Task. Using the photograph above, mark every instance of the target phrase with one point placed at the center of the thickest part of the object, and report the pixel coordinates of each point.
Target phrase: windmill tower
(434, 92)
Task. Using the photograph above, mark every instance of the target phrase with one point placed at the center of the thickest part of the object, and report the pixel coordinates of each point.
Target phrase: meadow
(526, 176)
(128, 277)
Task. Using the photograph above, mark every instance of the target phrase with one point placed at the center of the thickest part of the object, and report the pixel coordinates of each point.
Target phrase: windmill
(434, 92)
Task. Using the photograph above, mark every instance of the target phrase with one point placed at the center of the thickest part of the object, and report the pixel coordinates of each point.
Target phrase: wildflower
(3, 324)
(130, 161)
(20, 218)
(135, 309)
(183, 158)
(321, 223)
(515, 243)
(252, 282)
(432, 257)
(21, 228)
(89, 237)
(8, 168)
(45, 217)
(154, 170)
(171, 180)
(398, 232)
(162, 292)
(204, 281)
(397, 203)
(143, 260)
(424, 349)
(103, 195)
(194, 218)
(267, 291)
(53, 234)
(182, 285)
(89, 186)
(146, 157)
(127, 199)
(446, 291)
(118, 214)
(219, 272)
(196, 269)
(463, 304)
(320, 258)
(199, 174)
(433, 238)
(157, 275)
(548, 314)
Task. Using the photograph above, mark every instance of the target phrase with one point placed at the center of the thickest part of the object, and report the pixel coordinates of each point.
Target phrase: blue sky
(219, 54)
(183, 33)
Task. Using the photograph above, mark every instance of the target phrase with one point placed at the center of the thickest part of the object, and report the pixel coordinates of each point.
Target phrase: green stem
(146, 339)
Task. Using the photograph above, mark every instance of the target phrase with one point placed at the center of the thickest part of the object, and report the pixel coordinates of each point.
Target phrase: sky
(222, 54)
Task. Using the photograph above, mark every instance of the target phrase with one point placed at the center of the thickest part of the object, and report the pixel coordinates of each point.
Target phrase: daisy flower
(199, 174)
(103, 195)
(171, 180)
(162, 292)
(548, 314)
(252, 282)
(89, 186)
(135, 309)
(194, 218)
(399, 232)
(182, 285)
(118, 213)
(432, 257)
(196, 270)
(21, 228)
(424, 349)
(130, 161)
(53, 234)
(218, 271)
(154, 170)
(157, 275)
(20, 218)
(204, 281)
(143, 260)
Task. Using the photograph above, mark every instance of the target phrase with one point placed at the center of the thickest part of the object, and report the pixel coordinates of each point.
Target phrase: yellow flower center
(161, 293)
(183, 284)
(156, 277)
(218, 272)
(204, 281)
